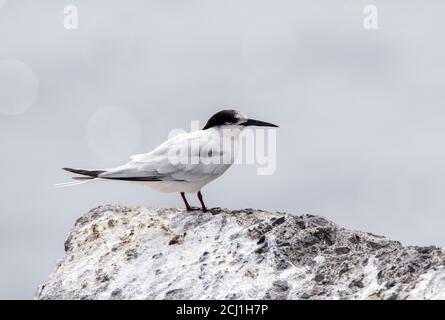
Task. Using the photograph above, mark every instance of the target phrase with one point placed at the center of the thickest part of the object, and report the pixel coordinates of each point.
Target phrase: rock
(174, 294)
(356, 283)
(342, 250)
(426, 249)
(280, 285)
(131, 253)
(376, 245)
(310, 240)
(278, 221)
(157, 255)
(177, 239)
(116, 252)
(278, 291)
(262, 239)
(319, 277)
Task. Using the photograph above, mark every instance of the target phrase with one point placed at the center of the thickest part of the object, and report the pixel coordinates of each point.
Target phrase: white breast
(209, 153)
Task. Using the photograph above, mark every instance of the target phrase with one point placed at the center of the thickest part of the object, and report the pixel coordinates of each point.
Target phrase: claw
(193, 209)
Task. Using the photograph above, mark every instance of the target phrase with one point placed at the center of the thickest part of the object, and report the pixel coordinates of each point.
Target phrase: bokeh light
(20, 87)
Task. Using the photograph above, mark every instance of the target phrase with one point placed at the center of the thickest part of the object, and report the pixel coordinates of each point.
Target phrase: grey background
(361, 113)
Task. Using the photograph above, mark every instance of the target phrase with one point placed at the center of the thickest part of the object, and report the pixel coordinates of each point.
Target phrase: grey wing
(171, 162)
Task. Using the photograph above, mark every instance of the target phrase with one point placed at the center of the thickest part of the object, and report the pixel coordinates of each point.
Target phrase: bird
(185, 163)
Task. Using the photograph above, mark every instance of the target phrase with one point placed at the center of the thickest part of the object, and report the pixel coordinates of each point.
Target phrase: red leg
(189, 207)
(186, 202)
(203, 206)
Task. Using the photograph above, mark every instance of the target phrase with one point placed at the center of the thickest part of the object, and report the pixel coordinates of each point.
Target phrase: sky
(361, 111)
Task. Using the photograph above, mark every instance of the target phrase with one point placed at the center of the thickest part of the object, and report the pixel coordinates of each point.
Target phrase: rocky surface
(117, 252)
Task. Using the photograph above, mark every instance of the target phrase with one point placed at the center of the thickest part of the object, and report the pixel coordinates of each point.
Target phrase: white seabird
(186, 162)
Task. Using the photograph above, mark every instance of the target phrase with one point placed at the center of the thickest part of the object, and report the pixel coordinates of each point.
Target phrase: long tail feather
(71, 184)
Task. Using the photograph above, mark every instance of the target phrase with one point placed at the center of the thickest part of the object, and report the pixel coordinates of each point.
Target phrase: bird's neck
(229, 132)
(227, 142)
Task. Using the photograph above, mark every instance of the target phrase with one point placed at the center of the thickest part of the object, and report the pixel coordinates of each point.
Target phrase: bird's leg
(186, 202)
(189, 208)
(203, 206)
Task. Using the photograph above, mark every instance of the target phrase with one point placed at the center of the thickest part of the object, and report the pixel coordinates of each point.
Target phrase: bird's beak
(258, 123)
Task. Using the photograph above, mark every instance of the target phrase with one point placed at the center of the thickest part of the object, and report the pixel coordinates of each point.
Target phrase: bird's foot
(189, 209)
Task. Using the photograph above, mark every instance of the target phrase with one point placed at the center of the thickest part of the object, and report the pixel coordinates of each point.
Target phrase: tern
(186, 162)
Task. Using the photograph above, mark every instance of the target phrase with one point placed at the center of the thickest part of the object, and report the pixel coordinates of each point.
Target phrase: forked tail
(86, 176)
(85, 172)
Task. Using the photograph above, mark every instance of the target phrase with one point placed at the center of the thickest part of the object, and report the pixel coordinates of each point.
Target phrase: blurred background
(361, 112)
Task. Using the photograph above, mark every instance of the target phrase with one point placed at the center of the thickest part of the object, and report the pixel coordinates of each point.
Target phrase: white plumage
(184, 163)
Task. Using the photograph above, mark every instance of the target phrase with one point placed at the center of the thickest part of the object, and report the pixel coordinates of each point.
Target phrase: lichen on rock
(117, 252)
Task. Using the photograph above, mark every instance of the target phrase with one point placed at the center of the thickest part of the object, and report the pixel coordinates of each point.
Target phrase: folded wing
(187, 157)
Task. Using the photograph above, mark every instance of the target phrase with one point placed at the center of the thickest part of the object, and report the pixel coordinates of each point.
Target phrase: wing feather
(189, 157)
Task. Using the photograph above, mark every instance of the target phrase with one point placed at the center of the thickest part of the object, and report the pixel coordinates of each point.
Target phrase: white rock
(116, 252)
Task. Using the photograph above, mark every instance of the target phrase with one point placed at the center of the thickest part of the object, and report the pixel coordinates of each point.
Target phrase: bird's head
(235, 119)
